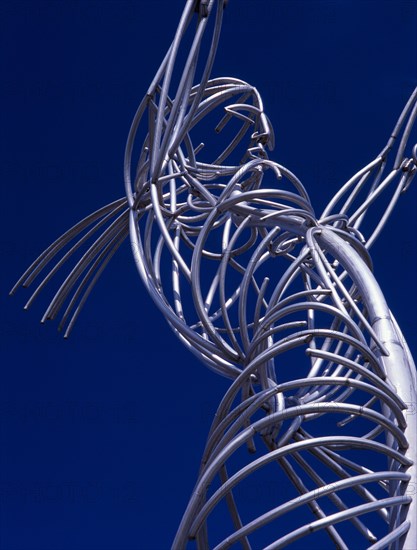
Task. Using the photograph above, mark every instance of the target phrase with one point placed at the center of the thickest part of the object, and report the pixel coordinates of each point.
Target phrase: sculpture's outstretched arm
(389, 174)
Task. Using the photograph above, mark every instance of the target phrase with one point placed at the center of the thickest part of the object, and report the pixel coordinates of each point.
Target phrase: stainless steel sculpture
(284, 303)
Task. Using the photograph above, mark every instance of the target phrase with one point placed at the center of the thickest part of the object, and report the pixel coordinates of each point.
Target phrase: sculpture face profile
(284, 304)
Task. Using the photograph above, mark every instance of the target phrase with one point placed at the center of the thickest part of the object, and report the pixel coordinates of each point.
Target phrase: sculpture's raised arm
(389, 174)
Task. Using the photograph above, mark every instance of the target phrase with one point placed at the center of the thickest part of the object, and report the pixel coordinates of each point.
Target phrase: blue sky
(98, 452)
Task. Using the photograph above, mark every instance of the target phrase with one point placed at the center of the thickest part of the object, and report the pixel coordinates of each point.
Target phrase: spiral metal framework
(284, 303)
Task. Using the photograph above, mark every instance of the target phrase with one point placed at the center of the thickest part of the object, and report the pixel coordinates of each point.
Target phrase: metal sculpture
(268, 277)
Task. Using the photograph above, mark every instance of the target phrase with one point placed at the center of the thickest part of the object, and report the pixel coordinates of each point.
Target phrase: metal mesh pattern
(270, 294)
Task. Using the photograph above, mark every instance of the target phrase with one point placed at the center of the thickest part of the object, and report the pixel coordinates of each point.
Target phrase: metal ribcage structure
(278, 299)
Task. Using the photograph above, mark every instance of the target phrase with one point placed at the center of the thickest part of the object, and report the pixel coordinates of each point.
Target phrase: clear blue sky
(96, 452)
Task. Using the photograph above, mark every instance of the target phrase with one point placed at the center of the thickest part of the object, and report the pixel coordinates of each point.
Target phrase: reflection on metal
(264, 291)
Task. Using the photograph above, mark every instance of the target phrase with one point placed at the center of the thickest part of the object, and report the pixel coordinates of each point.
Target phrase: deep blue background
(96, 452)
